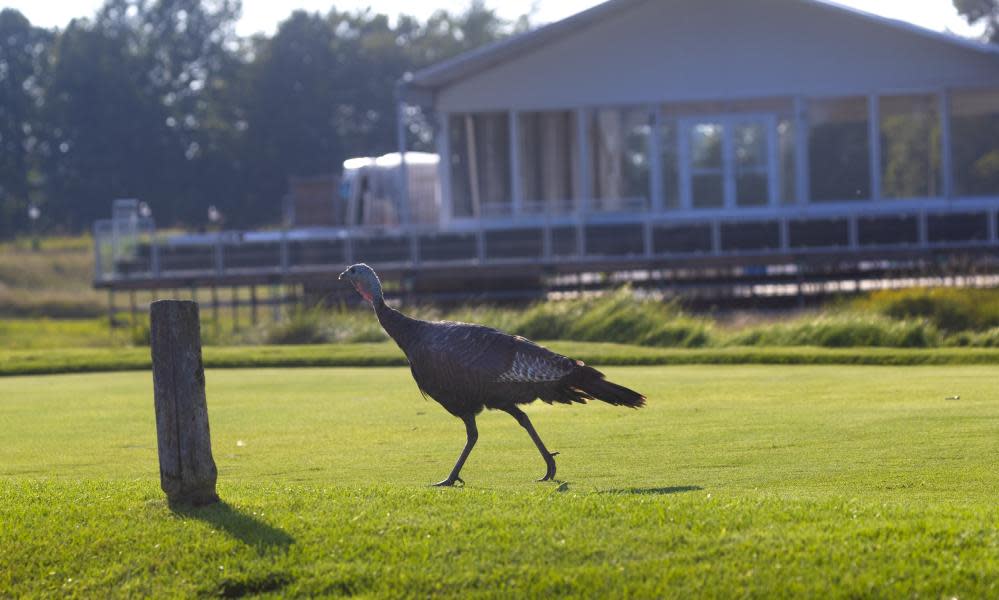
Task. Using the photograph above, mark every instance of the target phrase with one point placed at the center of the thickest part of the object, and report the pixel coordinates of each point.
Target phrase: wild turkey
(466, 368)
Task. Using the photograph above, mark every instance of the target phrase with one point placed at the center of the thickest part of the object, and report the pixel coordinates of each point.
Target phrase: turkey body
(467, 367)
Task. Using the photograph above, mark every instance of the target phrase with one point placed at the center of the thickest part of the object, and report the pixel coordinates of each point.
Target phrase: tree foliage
(160, 100)
(981, 11)
(23, 69)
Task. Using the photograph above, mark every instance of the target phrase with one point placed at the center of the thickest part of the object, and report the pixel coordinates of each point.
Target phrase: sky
(264, 15)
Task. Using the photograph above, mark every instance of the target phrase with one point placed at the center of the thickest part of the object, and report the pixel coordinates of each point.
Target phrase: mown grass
(385, 354)
(749, 481)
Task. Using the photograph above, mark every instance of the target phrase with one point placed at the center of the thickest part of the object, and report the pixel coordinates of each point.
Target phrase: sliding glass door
(729, 161)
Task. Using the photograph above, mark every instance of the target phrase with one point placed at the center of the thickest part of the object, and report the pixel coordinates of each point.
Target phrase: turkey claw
(449, 482)
(550, 473)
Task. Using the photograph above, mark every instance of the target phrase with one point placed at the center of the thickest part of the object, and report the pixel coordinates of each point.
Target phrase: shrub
(949, 309)
(841, 331)
(302, 327)
(982, 339)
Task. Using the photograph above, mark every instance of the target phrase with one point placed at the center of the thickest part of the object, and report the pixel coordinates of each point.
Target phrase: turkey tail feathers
(591, 384)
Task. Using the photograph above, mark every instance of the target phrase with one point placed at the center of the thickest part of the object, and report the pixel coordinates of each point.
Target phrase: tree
(981, 11)
(107, 138)
(292, 109)
(23, 65)
(322, 89)
(139, 106)
(160, 100)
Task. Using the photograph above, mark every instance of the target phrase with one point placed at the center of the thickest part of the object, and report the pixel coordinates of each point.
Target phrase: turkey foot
(449, 482)
(550, 461)
(472, 434)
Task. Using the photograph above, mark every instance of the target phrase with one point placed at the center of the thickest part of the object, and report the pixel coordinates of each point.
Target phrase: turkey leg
(473, 434)
(549, 457)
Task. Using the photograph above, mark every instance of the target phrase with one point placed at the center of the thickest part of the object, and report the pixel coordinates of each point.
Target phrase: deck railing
(549, 239)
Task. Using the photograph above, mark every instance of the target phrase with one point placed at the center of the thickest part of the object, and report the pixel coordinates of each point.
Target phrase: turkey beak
(340, 278)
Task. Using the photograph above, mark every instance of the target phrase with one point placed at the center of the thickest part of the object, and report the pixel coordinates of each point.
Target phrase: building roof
(439, 75)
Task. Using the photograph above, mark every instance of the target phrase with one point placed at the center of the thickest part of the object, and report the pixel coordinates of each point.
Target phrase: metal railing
(549, 239)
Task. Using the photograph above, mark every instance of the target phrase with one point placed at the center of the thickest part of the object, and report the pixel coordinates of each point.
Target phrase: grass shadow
(238, 524)
(655, 491)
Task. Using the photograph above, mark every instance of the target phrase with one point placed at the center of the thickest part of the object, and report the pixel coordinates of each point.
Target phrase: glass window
(707, 165)
(620, 158)
(974, 135)
(910, 146)
(787, 143)
(838, 150)
(548, 161)
(480, 164)
(730, 153)
(670, 163)
(752, 160)
(461, 195)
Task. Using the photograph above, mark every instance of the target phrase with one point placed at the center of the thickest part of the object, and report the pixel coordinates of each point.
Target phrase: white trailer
(370, 190)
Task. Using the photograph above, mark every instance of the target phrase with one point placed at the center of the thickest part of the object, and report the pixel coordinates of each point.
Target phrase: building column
(444, 166)
(657, 202)
(583, 156)
(773, 160)
(683, 159)
(947, 149)
(516, 193)
(405, 214)
(585, 201)
(874, 133)
(801, 171)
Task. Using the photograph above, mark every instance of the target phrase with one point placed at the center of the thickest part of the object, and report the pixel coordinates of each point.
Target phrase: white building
(646, 136)
(682, 127)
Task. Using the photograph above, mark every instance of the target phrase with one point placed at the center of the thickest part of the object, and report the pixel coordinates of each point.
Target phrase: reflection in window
(707, 172)
(548, 161)
(975, 142)
(670, 164)
(787, 143)
(480, 164)
(839, 150)
(752, 160)
(620, 152)
(910, 147)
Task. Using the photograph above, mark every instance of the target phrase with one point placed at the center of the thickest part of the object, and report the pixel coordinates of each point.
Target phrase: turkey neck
(400, 328)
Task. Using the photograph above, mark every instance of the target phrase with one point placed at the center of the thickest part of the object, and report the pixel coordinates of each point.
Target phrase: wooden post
(187, 469)
(276, 303)
(235, 310)
(253, 305)
(215, 309)
(134, 322)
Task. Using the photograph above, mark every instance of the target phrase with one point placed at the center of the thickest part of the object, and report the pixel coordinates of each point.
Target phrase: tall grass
(615, 317)
(948, 309)
(54, 282)
(898, 319)
(841, 331)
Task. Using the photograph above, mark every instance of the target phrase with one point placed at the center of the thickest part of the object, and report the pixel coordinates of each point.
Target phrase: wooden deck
(706, 259)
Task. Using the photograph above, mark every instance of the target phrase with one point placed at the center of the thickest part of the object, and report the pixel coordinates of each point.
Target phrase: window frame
(729, 168)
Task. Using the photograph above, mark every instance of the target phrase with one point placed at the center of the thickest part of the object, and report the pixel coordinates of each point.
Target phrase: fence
(137, 254)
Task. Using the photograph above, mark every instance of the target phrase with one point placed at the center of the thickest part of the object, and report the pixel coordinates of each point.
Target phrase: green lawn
(44, 361)
(735, 481)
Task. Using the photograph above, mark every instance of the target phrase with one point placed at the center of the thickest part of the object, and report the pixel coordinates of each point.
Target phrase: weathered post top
(187, 469)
